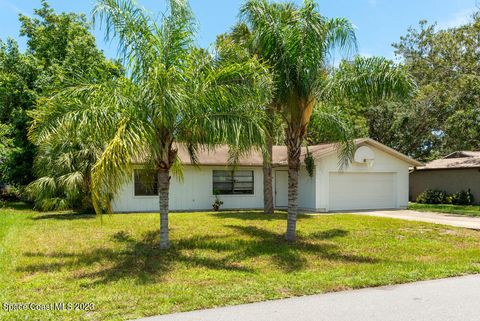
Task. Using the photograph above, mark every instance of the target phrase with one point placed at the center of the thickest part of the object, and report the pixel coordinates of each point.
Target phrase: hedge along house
(376, 179)
(455, 172)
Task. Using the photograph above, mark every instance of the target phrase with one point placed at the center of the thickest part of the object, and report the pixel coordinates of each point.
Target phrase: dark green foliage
(463, 198)
(445, 64)
(319, 134)
(18, 76)
(60, 49)
(9, 194)
(405, 126)
(174, 93)
(309, 163)
(443, 115)
(431, 196)
(217, 203)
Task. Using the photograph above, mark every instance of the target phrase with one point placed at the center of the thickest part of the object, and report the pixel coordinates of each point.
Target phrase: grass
(467, 210)
(216, 259)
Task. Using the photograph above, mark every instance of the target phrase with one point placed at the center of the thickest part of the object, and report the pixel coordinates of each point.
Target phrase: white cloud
(459, 18)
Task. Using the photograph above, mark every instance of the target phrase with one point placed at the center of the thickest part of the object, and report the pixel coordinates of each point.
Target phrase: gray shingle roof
(219, 156)
(461, 159)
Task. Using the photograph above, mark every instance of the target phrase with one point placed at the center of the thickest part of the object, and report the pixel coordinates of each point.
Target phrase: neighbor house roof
(220, 156)
(463, 154)
(461, 159)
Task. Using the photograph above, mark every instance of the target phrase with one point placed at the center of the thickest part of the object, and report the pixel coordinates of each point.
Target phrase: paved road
(454, 299)
(437, 218)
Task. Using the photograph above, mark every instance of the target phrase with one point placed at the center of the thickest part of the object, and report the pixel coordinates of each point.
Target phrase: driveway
(454, 299)
(436, 218)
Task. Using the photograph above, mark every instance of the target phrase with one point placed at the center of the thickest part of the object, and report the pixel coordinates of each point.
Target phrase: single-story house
(453, 173)
(376, 179)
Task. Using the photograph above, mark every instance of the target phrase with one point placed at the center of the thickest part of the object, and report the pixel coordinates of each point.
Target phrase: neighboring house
(453, 173)
(377, 179)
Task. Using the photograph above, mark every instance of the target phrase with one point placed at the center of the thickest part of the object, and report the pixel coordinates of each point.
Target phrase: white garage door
(362, 191)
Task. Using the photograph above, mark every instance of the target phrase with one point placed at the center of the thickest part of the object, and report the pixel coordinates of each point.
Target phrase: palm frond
(371, 80)
(114, 167)
(341, 35)
(339, 130)
(132, 26)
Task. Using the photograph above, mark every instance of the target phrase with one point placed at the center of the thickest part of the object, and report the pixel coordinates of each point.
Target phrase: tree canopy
(60, 49)
(174, 95)
(92, 114)
(296, 41)
(446, 65)
(442, 115)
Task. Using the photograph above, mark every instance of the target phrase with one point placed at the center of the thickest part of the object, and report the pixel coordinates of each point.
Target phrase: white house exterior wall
(306, 191)
(384, 163)
(194, 193)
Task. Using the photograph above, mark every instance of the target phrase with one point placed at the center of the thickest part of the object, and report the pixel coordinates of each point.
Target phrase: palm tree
(296, 42)
(242, 36)
(175, 94)
(63, 164)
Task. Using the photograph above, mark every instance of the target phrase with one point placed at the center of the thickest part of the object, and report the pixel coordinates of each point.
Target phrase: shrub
(431, 196)
(463, 198)
(217, 204)
(9, 194)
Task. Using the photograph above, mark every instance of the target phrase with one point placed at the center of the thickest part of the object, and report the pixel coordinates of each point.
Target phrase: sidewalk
(436, 218)
(453, 299)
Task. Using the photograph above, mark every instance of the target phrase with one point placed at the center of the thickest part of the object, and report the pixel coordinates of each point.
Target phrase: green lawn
(216, 259)
(469, 210)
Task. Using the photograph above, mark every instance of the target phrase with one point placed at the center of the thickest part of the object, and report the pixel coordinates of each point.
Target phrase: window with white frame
(146, 182)
(233, 182)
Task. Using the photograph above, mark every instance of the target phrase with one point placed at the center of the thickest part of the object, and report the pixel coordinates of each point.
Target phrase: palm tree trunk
(163, 195)
(294, 148)
(267, 177)
(268, 207)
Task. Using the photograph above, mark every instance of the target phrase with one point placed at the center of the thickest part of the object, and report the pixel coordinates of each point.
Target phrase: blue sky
(379, 23)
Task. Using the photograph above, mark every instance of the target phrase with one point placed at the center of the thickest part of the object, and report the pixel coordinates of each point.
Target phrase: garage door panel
(361, 191)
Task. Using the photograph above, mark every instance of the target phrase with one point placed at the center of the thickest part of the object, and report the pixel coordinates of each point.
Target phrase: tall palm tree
(296, 42)
(243, 37)
(174, 94)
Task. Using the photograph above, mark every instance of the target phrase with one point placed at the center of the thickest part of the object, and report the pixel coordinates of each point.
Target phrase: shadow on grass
(328, 234)
(291, 257)
(256, 216)
(64, 216)
(19, 206)
(143, 260)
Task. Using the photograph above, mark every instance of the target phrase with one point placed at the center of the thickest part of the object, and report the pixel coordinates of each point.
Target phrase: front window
(232, 182)
(146, 183)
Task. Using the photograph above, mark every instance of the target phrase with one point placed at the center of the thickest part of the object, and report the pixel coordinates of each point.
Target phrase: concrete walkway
(437, 218)
(454, 299)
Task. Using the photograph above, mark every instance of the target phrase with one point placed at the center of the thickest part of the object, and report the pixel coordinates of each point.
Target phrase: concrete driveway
(454, 299)
(436, 218)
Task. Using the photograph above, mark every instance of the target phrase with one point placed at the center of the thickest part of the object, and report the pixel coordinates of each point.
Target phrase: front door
(281, 189)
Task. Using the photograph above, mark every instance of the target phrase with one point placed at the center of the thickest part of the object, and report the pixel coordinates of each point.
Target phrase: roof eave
(374, 143)
(445, 168)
